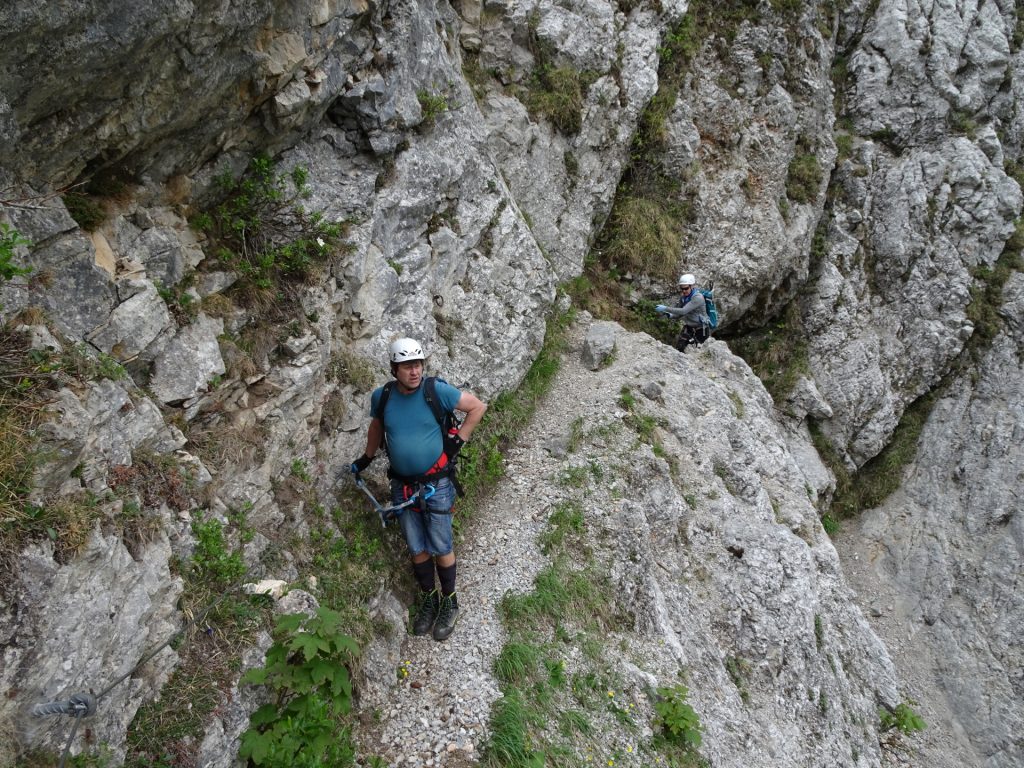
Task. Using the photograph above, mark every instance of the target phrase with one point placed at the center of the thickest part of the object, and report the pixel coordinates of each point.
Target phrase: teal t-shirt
(413, 434)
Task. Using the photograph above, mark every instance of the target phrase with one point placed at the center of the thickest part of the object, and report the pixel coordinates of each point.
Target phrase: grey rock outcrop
(159, 89)
(738, 525)
(188, 362)
(756, 99)
(83, 627)
(919, 212)
(942, 559)
(902, 248)
(599, 346)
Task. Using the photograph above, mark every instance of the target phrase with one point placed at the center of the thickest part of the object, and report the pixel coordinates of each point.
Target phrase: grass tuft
(777, 353)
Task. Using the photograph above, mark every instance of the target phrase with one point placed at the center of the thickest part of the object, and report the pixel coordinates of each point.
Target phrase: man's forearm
(374, 437)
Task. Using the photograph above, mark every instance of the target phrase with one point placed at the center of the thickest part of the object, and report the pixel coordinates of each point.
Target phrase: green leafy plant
(678, 722)
(212, 559)
(307, 670)
(300, 470)
(10, 239)
(902, 718)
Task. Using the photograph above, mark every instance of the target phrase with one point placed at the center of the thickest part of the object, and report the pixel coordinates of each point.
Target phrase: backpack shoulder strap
(384, 395)
(430, 395)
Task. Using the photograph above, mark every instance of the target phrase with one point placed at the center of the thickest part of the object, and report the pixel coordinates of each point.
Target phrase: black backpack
(448, 421)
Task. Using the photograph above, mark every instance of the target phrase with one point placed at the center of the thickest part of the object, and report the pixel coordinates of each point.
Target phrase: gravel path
(438, 715)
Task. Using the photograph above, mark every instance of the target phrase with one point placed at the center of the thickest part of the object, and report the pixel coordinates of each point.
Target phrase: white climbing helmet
(687, 279)
(403, 350)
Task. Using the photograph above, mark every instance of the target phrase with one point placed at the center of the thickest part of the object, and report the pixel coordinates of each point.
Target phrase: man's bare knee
(445, 560)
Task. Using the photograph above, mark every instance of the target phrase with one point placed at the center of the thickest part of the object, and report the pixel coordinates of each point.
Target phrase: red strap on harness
(439, 465)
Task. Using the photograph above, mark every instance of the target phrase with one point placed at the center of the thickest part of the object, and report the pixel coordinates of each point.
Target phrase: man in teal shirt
(419, 452)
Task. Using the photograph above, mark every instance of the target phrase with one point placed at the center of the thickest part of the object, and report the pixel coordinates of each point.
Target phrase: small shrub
(300, 471)
(557, 94)
(213, 562)
(554, 92)
(10, 239)
(647, 236)
(803, 177)
(888, 137)
(844, 146)
(86, 212)
(262, 231)
(432, 104)
(962, 123)
(152, 479)
(777, 353)
(627, 400)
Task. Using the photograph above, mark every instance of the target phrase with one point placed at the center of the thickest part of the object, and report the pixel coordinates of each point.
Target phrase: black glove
(453, 444)
(361, 463)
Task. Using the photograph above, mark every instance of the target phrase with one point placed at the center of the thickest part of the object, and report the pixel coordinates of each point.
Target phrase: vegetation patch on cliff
(554, 91)
(26, 376)
(262, 230)
(555, 670)
(777, 353)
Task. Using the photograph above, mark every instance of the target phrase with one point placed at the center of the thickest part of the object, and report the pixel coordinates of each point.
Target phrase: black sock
(447, 577)
(424, 573)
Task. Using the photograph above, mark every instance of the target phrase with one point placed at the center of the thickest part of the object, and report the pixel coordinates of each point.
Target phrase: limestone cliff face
(167, 86)
(464, 210)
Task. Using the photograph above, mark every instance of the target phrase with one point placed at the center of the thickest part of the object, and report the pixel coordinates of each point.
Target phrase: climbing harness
(393, 512)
